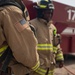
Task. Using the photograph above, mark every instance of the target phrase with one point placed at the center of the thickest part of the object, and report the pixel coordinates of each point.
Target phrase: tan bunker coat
(44, 35)
(16, 33)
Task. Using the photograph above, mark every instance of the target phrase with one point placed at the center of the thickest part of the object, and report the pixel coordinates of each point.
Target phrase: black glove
(60, 63)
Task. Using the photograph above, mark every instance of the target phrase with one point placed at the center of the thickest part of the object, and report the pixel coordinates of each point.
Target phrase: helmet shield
(44, 4)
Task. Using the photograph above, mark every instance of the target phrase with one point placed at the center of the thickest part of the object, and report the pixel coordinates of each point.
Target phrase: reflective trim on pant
(36, 66)
(3, 49)
(45, 47)
(59, 56)
(43, 72)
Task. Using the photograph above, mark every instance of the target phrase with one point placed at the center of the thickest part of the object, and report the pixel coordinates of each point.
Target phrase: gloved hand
(60, 63)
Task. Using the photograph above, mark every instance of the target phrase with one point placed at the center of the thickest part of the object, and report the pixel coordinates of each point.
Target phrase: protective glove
(60, 63)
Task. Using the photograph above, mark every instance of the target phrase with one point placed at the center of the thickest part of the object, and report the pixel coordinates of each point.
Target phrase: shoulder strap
(6, 57)
(33, 29)
(12, 3)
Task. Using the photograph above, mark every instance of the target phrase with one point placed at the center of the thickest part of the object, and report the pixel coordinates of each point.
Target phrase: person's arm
(57, 49)
(19, 37)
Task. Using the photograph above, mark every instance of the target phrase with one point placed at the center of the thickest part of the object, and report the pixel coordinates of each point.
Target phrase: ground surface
(69, 64)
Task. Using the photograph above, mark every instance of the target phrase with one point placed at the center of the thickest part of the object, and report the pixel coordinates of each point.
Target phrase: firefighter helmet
(44, 4)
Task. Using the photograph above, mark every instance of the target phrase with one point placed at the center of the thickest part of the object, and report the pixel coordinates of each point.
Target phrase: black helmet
(44, 4)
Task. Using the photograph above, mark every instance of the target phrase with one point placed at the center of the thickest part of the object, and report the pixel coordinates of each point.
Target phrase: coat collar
(45, 22)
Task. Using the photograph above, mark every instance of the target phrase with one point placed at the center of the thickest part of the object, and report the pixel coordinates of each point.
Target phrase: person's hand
(60, 63)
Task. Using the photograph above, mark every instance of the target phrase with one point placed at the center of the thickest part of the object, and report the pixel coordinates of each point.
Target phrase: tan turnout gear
(48, 44)
(47, 52)
(16, 33)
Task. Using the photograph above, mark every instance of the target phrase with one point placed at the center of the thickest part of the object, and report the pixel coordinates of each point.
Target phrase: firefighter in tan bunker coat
(48, 41)
(16, 33)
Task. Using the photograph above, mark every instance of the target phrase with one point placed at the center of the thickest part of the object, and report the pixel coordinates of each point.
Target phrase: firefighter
(16, 33)
(48, 40)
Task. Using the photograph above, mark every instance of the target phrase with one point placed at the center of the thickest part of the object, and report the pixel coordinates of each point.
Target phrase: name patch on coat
(21, 25)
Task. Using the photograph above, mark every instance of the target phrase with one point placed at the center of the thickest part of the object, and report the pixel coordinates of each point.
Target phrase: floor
(69, 68)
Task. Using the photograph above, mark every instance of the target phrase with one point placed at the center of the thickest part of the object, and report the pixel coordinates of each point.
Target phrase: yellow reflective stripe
(46, 0)
(44, 44)
(59, 56)
(43, 72)
(39, 72)
(45, 47)
(3, 49)
(55, 49)
(43, 6)
(36, 66)
(51, 72)
(54, 32)
(1, 53)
